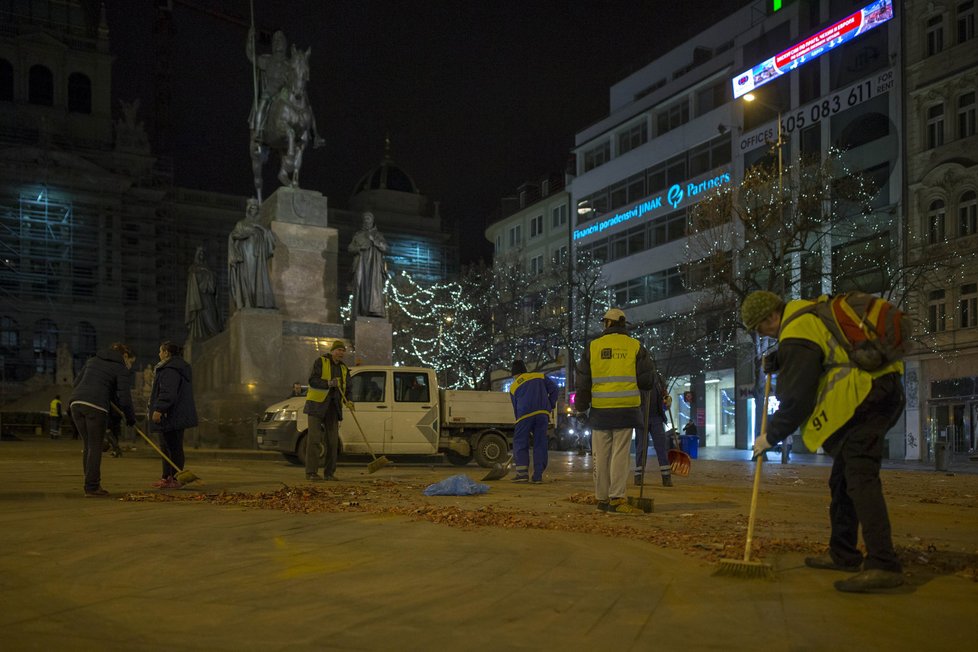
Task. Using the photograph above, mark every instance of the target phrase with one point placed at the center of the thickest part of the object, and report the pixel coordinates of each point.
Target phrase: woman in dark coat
(103, 382)
(172, 409)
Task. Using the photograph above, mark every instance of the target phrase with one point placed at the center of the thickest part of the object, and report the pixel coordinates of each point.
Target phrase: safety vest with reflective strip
(517, 384)
(54, 409)
(613, 381)
(319, 395)
(843, 386)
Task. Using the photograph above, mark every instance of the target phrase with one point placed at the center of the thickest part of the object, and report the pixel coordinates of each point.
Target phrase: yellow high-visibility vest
(53, 409)
(843, 386)
(613, 381)
(319, 395)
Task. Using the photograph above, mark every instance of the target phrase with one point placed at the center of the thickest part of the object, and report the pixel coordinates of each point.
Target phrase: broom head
(647, 505)
(186, 477)
(377, 464)
(748, 570)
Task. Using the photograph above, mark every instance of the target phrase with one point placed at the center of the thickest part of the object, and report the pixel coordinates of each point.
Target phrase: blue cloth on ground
(456, 485)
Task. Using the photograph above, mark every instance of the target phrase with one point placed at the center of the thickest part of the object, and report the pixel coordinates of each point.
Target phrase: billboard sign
(870, 16)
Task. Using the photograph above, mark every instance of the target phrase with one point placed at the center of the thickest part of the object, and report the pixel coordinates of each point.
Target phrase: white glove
(760, 445)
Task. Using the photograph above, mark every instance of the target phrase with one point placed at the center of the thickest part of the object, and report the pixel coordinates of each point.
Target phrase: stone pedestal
(253, 363)
(372, 341)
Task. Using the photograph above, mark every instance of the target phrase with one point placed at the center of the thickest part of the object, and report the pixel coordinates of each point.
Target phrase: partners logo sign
(675, 196)
(651, 207)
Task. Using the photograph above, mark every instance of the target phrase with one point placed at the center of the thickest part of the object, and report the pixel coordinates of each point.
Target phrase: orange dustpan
(679, 462)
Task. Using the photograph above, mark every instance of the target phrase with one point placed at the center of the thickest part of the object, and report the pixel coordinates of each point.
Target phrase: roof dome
(387, 176)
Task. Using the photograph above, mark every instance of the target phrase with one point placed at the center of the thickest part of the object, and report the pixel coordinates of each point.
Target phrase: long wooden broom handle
(148, 440)
(757, 473)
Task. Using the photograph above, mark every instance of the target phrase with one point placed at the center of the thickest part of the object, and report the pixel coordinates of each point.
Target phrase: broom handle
(353, 413)
(757, 473)
(149, 441)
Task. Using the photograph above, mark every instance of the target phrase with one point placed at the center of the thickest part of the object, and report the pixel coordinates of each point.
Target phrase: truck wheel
(457, 458)
(490, 450)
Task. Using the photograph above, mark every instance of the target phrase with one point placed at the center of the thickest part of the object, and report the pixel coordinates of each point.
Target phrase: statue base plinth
(373, 341)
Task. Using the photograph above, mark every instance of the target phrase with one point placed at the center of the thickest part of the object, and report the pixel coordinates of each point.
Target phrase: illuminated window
(40, 86)
(936, 312)
(966, 114)
(935, 222)
(79, 93)
(966, 21)
(935, 126)
(935, 35)
(968, 306)
(967, 214)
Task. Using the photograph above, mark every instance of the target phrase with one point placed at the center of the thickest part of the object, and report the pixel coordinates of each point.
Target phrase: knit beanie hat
(757, 307)
(338, 344)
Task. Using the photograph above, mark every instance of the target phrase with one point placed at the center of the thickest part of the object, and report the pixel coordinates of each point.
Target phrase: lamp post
(751, 97)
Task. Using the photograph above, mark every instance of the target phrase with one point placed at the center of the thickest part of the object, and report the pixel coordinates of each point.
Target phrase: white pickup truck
(402, 412)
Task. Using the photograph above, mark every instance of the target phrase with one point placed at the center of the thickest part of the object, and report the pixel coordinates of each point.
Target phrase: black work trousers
(90, 423)
(855, 486)
(171, 443)
(322, 427)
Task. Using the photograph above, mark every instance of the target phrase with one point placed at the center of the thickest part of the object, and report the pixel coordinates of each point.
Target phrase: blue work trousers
(536, 426)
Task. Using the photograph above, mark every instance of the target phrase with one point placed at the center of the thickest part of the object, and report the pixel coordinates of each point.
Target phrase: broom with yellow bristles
(745, 568)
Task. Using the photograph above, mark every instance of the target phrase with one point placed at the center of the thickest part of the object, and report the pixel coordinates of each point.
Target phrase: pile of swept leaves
(709, 536)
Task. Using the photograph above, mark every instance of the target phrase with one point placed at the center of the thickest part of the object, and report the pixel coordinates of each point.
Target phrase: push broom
(745, 568)
(378, 462)
(183, 476)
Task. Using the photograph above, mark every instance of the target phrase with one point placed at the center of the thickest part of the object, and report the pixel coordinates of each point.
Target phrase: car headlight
(285, 415)
(570, 431)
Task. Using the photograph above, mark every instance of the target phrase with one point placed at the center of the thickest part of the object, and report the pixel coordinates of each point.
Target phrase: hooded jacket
(104, 380)
(172, 395)
(613, 417)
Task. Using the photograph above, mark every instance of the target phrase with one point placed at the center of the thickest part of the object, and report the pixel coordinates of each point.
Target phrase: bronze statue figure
(369, 269)
(281, 118)
(201, 316)
(250, 245)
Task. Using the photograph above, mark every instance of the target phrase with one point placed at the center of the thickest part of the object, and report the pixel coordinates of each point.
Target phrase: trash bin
(691, 444)
(940, 455)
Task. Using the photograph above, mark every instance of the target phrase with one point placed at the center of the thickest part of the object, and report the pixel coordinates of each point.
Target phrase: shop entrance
(953, 424)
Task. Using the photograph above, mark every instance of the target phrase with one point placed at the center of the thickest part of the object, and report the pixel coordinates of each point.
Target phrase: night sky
(477, 97)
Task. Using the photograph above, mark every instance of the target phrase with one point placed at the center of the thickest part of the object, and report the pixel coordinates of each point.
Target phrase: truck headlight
(285, 415)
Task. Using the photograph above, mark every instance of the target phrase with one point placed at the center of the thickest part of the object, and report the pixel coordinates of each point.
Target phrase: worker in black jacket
(103, 380)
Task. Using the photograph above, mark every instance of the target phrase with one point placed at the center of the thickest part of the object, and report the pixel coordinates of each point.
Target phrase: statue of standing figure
(369, 269)
(250, 246)
(281, 117)
(200, 315)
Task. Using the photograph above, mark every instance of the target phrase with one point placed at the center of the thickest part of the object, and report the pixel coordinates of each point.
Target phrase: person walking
(103, 380)
(845, 410)
(654, 406)
(54, 417)
(534, 397)
(172, 409)
(324, 405)
(611, 373)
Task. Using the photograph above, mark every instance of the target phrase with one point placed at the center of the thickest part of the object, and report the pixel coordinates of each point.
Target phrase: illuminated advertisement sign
(848, 28)
(678, 195)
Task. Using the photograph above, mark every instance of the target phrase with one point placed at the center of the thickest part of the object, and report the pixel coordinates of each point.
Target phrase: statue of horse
(287, 126)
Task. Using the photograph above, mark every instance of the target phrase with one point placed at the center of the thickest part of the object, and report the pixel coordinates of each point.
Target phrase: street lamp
(751, 97)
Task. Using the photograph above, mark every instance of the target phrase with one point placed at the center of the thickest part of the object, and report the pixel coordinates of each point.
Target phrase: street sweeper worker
(613, 371)
(845, 410)
(534, 397)
(659, 403)
(103, 380)
(324, 405)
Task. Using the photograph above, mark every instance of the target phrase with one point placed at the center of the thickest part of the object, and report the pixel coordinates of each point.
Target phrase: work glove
(769, 363)
(761, 444)
(667, 402)
(333, 382)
